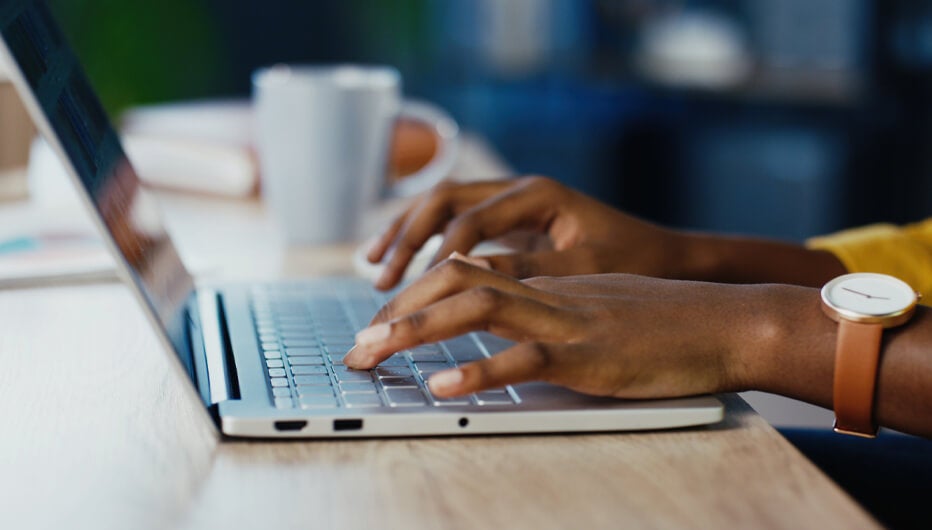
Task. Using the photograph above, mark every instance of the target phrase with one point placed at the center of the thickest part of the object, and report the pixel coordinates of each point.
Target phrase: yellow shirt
(901, 251)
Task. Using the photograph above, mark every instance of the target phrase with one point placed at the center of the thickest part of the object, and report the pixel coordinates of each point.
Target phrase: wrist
(700, 256)
(787, 346)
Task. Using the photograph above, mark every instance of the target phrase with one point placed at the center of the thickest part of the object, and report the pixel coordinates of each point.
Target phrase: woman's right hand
(580, 234)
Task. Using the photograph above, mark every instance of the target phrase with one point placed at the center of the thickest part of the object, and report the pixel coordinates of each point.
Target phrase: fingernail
(373, 335)
(371, 243)
(478, 262)
(350, 358)
(445, 380)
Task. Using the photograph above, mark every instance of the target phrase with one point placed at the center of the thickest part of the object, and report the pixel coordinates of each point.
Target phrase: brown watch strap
(857, 357)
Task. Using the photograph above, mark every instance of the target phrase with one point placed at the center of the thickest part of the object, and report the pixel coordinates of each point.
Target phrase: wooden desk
(96, 433)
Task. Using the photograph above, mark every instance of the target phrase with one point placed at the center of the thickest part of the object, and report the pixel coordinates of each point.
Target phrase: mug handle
(444, 126)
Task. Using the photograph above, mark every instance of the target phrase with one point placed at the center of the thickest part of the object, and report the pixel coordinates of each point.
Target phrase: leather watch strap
(857, 357)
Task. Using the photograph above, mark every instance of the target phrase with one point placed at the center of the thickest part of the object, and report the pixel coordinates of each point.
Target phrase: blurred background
(784, 118)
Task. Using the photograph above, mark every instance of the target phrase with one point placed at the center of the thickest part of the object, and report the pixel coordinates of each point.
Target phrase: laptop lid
(69, 115)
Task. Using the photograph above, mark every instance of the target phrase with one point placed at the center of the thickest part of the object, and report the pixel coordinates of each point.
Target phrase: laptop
(266, 359)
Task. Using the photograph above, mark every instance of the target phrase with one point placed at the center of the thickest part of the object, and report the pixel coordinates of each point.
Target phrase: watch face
(866, 294)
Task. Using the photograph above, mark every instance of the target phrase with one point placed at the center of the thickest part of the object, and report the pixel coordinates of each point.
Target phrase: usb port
(347, 425)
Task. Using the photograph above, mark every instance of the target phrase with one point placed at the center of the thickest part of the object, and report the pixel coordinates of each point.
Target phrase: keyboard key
(283, 403)
(302, 380)
(281, 391)
(494, 397)
(276, 372)
(296, 352)
(340, 347)
(279, 382)
(337, 359)
(405, 397)
(362, 400)
(317, 402)
(268, 337)
(304, 361)
(272, 355)
(308, 369)
(270, 346)
(320, 390)
(300, 343)
(399, 382)
(395, 360)
(492, 343)
(463, 349)
(393, 371)
(352, 375)
(426, 349)
(428, 368)
(355, 387)
(431, 356)
(294, 328)
(451, 402)
(274, 363)
(300, 336)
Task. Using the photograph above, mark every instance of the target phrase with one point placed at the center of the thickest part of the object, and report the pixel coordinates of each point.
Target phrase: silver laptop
(266, 360)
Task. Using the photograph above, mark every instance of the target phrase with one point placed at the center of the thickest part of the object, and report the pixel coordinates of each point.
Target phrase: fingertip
(446, 383)
(376, 249)
(386, 280)
(352, 359)
(482, 263)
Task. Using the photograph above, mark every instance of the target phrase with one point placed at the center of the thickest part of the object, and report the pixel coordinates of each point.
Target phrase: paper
(53, 258)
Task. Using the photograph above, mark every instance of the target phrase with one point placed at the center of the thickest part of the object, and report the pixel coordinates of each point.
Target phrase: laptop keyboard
(305, 332)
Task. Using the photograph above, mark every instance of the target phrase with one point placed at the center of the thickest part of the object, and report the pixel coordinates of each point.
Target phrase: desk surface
(97, 433)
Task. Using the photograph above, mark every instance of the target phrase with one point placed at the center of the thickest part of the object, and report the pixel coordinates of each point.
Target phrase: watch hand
(869, 296)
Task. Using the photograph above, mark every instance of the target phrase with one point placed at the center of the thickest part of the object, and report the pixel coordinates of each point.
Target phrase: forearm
(795, 357)
(746, 260)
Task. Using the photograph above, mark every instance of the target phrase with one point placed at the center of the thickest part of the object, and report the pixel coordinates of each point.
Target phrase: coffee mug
(323, 135)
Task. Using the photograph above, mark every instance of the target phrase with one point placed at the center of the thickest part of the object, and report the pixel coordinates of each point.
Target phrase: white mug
(323, 138)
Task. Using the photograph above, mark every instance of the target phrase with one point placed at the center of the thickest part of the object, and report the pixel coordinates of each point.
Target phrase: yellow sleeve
(901, 251)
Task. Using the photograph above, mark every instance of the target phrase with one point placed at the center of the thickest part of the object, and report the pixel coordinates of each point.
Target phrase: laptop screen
(70, 116)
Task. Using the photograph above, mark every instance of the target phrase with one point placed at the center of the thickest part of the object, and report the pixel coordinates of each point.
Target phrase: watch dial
(870, 294)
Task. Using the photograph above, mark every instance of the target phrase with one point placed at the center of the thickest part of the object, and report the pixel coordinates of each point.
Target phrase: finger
(533, 361)
(449, 278)
(379, 247)
(521, 207)
(485, 308)
(429, 217)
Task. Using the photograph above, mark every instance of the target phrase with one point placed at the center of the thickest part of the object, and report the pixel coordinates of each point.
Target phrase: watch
(863, 304)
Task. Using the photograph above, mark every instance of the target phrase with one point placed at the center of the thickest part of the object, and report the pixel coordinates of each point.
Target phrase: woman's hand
(581, 234)
(611, 335)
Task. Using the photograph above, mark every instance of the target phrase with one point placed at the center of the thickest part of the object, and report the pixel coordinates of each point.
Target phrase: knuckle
(443, 191)
(453, 269)
(444, 185)
(385, 313)
(467, 222)
(540, 357)
(538, 182)
(540, 282)
(526, 268)
(416, 323)
(589, 258)
(471, 225)
(488, 298)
